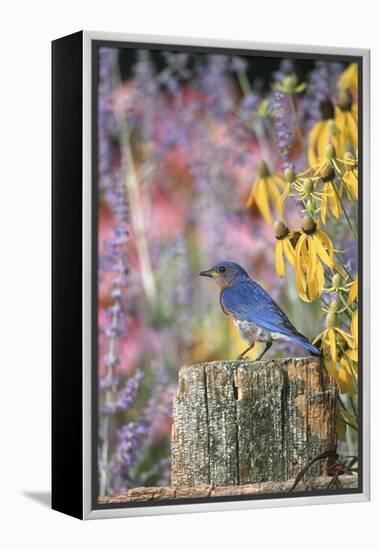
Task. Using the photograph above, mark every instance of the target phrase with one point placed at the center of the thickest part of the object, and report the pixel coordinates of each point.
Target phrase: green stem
(244, 82)
(348, 308)
(138, 218)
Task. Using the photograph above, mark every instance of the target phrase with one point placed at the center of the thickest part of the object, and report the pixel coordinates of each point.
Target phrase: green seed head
(290, 175)
(336, 281)
(345, 100)
(308, 186)
(326, 109)
(328, 173)
(331, 320)
(308, 225)
(262, 169)
(280, 229)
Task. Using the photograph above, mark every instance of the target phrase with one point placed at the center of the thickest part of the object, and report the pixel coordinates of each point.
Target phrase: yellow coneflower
(348, 80)
(336, 344)
(285, 240)
(313, 250)
(266, 193)
(333, 338)
(346, 118)
(323, 133)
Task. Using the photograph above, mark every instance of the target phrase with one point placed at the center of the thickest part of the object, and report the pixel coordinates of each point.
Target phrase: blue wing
(248, 301)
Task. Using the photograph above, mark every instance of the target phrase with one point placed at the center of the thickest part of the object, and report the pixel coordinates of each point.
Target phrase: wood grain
(243, 422)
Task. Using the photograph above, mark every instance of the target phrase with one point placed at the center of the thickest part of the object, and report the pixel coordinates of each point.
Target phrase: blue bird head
(225, 273)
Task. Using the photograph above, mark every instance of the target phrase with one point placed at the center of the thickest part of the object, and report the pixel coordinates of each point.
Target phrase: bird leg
(268, 346)
(244, 352)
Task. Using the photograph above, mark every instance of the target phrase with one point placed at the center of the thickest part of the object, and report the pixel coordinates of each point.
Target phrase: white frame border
(88, 512)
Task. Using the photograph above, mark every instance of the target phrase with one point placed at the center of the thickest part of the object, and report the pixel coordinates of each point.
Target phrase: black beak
(207, 273)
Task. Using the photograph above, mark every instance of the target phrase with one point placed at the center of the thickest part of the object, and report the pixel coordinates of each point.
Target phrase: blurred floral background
(208, 157)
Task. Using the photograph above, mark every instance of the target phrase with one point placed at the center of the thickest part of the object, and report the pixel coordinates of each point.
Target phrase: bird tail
(303, 341)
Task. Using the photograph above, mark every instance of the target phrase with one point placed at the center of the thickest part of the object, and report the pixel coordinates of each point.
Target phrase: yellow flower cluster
(326, 191)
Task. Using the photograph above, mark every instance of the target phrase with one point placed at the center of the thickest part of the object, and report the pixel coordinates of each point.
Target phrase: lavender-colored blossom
(249, 104)
(106, 119)
(214, 81)
(286, 68)
(238, 64)
(282, 131)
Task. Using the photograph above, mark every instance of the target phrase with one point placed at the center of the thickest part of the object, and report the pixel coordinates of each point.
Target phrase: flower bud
(345, 100)
(262, 169)
(336, 281)
(330, 152)
(280, 229)
(334, 306)
(308, 186)
(326, 109)
(331, 320)
(290, 175)
(308, 225)
(328, 173)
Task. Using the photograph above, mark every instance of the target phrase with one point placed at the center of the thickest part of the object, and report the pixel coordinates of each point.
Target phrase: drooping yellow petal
(321, 251)
(353, 294)
(312, 258)
(348, 80)
(320, 277)
(350, 179)
(352, 354)
(345, 336)
(330, 340)
(279, 261)
(324, 202)
(318, 140)
(289, 251)
(327, 242)
(334, 203)
(312, 287)
(345, 380)
(331, 368)
(299, 269)
(251, 199)
(261, 199)
(354, 328)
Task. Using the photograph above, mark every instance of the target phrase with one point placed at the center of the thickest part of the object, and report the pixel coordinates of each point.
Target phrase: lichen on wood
(242, 422)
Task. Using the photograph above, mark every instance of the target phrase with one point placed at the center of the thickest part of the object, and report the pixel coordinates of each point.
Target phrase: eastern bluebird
(256, 315)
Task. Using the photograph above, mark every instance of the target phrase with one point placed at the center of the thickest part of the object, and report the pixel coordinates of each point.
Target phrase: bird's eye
(222, 269)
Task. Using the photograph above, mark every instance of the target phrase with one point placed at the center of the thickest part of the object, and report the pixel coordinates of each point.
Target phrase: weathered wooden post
(241, 422)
